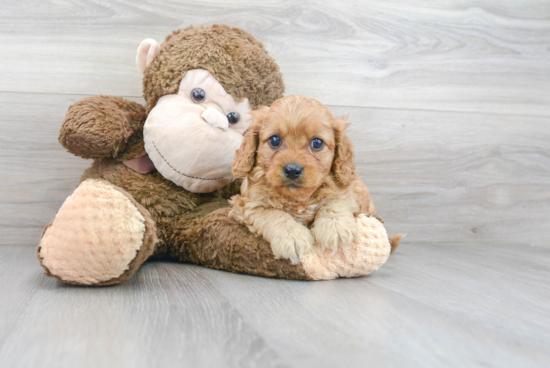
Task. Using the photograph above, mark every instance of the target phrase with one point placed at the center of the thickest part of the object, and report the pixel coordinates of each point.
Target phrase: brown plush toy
(161, 174)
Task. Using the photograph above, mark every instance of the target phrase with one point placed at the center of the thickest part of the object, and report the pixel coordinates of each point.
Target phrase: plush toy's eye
(198, 95)
(233, 117)
(317, 144)
(275, 141)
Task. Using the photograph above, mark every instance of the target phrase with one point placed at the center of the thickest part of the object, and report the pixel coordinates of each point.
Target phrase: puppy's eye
(317, 144)
(198, 95)
(233, 117)
(275, 141)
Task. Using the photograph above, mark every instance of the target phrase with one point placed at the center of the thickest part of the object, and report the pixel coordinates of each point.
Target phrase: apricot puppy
(300, 186)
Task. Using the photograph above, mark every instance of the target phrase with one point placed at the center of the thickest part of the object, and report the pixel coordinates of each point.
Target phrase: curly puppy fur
(230, 54)
(316, 208)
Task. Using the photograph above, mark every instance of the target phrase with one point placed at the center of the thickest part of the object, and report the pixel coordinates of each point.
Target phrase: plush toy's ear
(245, 157)
(342, 167)
(146, 52)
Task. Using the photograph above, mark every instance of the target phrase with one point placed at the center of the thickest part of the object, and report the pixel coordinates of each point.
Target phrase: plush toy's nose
(215, 118)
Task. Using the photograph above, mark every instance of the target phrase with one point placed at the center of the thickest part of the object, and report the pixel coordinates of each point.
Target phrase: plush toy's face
(192, 136)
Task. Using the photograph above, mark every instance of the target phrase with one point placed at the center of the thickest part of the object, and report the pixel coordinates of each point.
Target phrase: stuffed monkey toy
(161, 174)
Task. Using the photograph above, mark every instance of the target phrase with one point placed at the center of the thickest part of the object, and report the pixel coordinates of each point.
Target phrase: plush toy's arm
(218, 241)
(101, 126)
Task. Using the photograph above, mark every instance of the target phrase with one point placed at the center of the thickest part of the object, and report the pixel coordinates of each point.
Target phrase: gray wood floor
(450, 110)
(456, 305)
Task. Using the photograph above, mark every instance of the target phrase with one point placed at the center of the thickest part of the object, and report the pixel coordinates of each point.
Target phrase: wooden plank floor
(449, 102)
(450, 110)
(430, 306)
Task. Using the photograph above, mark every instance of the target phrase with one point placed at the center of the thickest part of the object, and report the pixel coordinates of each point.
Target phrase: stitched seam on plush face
(188, 176)
(196, 153)
(189, 149)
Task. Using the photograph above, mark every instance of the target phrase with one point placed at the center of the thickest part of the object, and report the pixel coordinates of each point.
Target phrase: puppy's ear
(343, 168)
(245, 157)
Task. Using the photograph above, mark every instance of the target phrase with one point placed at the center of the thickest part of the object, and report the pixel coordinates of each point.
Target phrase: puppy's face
(296, 146)
(295, 143)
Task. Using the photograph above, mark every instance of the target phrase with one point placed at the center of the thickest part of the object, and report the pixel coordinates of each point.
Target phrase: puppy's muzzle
(293, 171)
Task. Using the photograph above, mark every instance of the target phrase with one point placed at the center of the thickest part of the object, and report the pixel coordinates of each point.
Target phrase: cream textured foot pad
(368, 253)
(95, 235)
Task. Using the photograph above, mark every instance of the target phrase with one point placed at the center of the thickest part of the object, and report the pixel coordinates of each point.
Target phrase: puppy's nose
(293, 171)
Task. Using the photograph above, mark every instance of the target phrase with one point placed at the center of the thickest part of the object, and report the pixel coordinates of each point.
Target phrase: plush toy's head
(200, 86)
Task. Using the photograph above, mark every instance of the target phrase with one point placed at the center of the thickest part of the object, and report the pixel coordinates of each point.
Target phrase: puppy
(300, 186)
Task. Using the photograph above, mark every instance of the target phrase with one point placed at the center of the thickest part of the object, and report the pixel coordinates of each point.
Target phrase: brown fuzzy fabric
(189, 227)
(102, 126)
(240, 251)
(238, 61)
(149, 242)
(164, 200)
(195, 227)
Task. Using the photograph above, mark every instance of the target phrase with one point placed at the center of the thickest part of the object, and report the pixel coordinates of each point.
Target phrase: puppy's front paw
(292, 243)
(331, 232)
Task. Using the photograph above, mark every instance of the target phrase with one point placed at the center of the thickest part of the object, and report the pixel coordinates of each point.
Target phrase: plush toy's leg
(217, 241)
(100, 236)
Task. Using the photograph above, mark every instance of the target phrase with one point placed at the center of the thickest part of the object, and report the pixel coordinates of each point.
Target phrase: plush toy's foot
(368, 252)
(100, 236)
